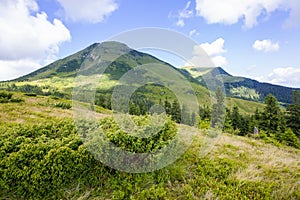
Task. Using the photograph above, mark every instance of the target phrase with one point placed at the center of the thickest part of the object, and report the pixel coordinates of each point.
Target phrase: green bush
(289, 138)
(31, 94)
(5, 95)
(136, 144)
(39, 160)
(63, 105)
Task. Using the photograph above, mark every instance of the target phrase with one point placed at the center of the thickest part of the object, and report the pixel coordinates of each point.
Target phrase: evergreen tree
(272, 119)
(289, 138)
(254, 120)
(134, 109)
(293, 114)
(228, 123)
(175, 111)
(204, 112)
(218, 111)
(167, 106)
(235, 118)
(244, 125)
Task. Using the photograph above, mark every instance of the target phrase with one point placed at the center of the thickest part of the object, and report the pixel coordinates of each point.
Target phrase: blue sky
(257, 39)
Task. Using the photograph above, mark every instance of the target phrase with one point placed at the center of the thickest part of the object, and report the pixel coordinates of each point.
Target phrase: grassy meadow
(42, 157)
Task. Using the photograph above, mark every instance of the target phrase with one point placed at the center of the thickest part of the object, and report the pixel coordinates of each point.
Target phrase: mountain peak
(114, 46)
(200, 71)
(219, 71)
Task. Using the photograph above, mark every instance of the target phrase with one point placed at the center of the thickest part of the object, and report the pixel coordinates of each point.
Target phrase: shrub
(16, 100)
(5, 95)
(63, 105)
(31, 94)
(36, 163)
(289, 138)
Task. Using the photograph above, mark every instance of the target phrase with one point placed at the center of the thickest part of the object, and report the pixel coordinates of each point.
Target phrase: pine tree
(204, 112)
(293, 114)
(167, 106)
(228, 123)
(272, 119)
(175, 111)
(289, 138)
(218, 112)
(244, 125)
(235, 118)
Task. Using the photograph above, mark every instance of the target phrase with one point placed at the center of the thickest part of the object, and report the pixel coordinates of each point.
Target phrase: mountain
(241, 87)
(58, 78)
(116, 59)
(126, 59)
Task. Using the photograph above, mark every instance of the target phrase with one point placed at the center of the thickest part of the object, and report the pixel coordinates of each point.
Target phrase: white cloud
(231, 11)
(294, 16)
(180, 23)
(27, 35)
(14, 69)
(214, 50)
(184, 14)
(287, 76)
(193, 32)
(92, 11)
(265, 45)
(219, 61)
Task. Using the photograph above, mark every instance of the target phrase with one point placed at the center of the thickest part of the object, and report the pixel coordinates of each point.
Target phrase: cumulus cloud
(231, 11)
(265, 45)
(288, 76)
(214, 50)
(15, 68)
(27, 37)
(91, 11)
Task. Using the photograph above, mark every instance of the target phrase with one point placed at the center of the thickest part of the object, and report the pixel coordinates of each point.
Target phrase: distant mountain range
(241, 87)
(237, 87)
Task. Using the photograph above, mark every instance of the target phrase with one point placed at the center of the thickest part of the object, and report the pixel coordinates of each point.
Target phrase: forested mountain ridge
(241, 87)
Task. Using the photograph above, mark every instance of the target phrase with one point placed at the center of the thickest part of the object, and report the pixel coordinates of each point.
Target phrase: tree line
(272, 123)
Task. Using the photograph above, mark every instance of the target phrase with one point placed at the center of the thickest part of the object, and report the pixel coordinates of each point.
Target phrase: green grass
(42, 156)
(245, 107)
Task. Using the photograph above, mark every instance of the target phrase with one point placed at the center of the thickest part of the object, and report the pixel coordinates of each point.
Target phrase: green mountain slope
(58, 78)
(116, 57)
(241, 87)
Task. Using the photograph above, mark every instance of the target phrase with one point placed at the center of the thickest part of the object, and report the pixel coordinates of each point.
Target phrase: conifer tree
(272, 119)
(235, 118)
(293, 114)
(175, 111)
(167, 106)
(218, 112)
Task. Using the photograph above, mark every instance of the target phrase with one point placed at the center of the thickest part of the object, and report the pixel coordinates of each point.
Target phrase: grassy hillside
(42, 156)
(245, 106)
